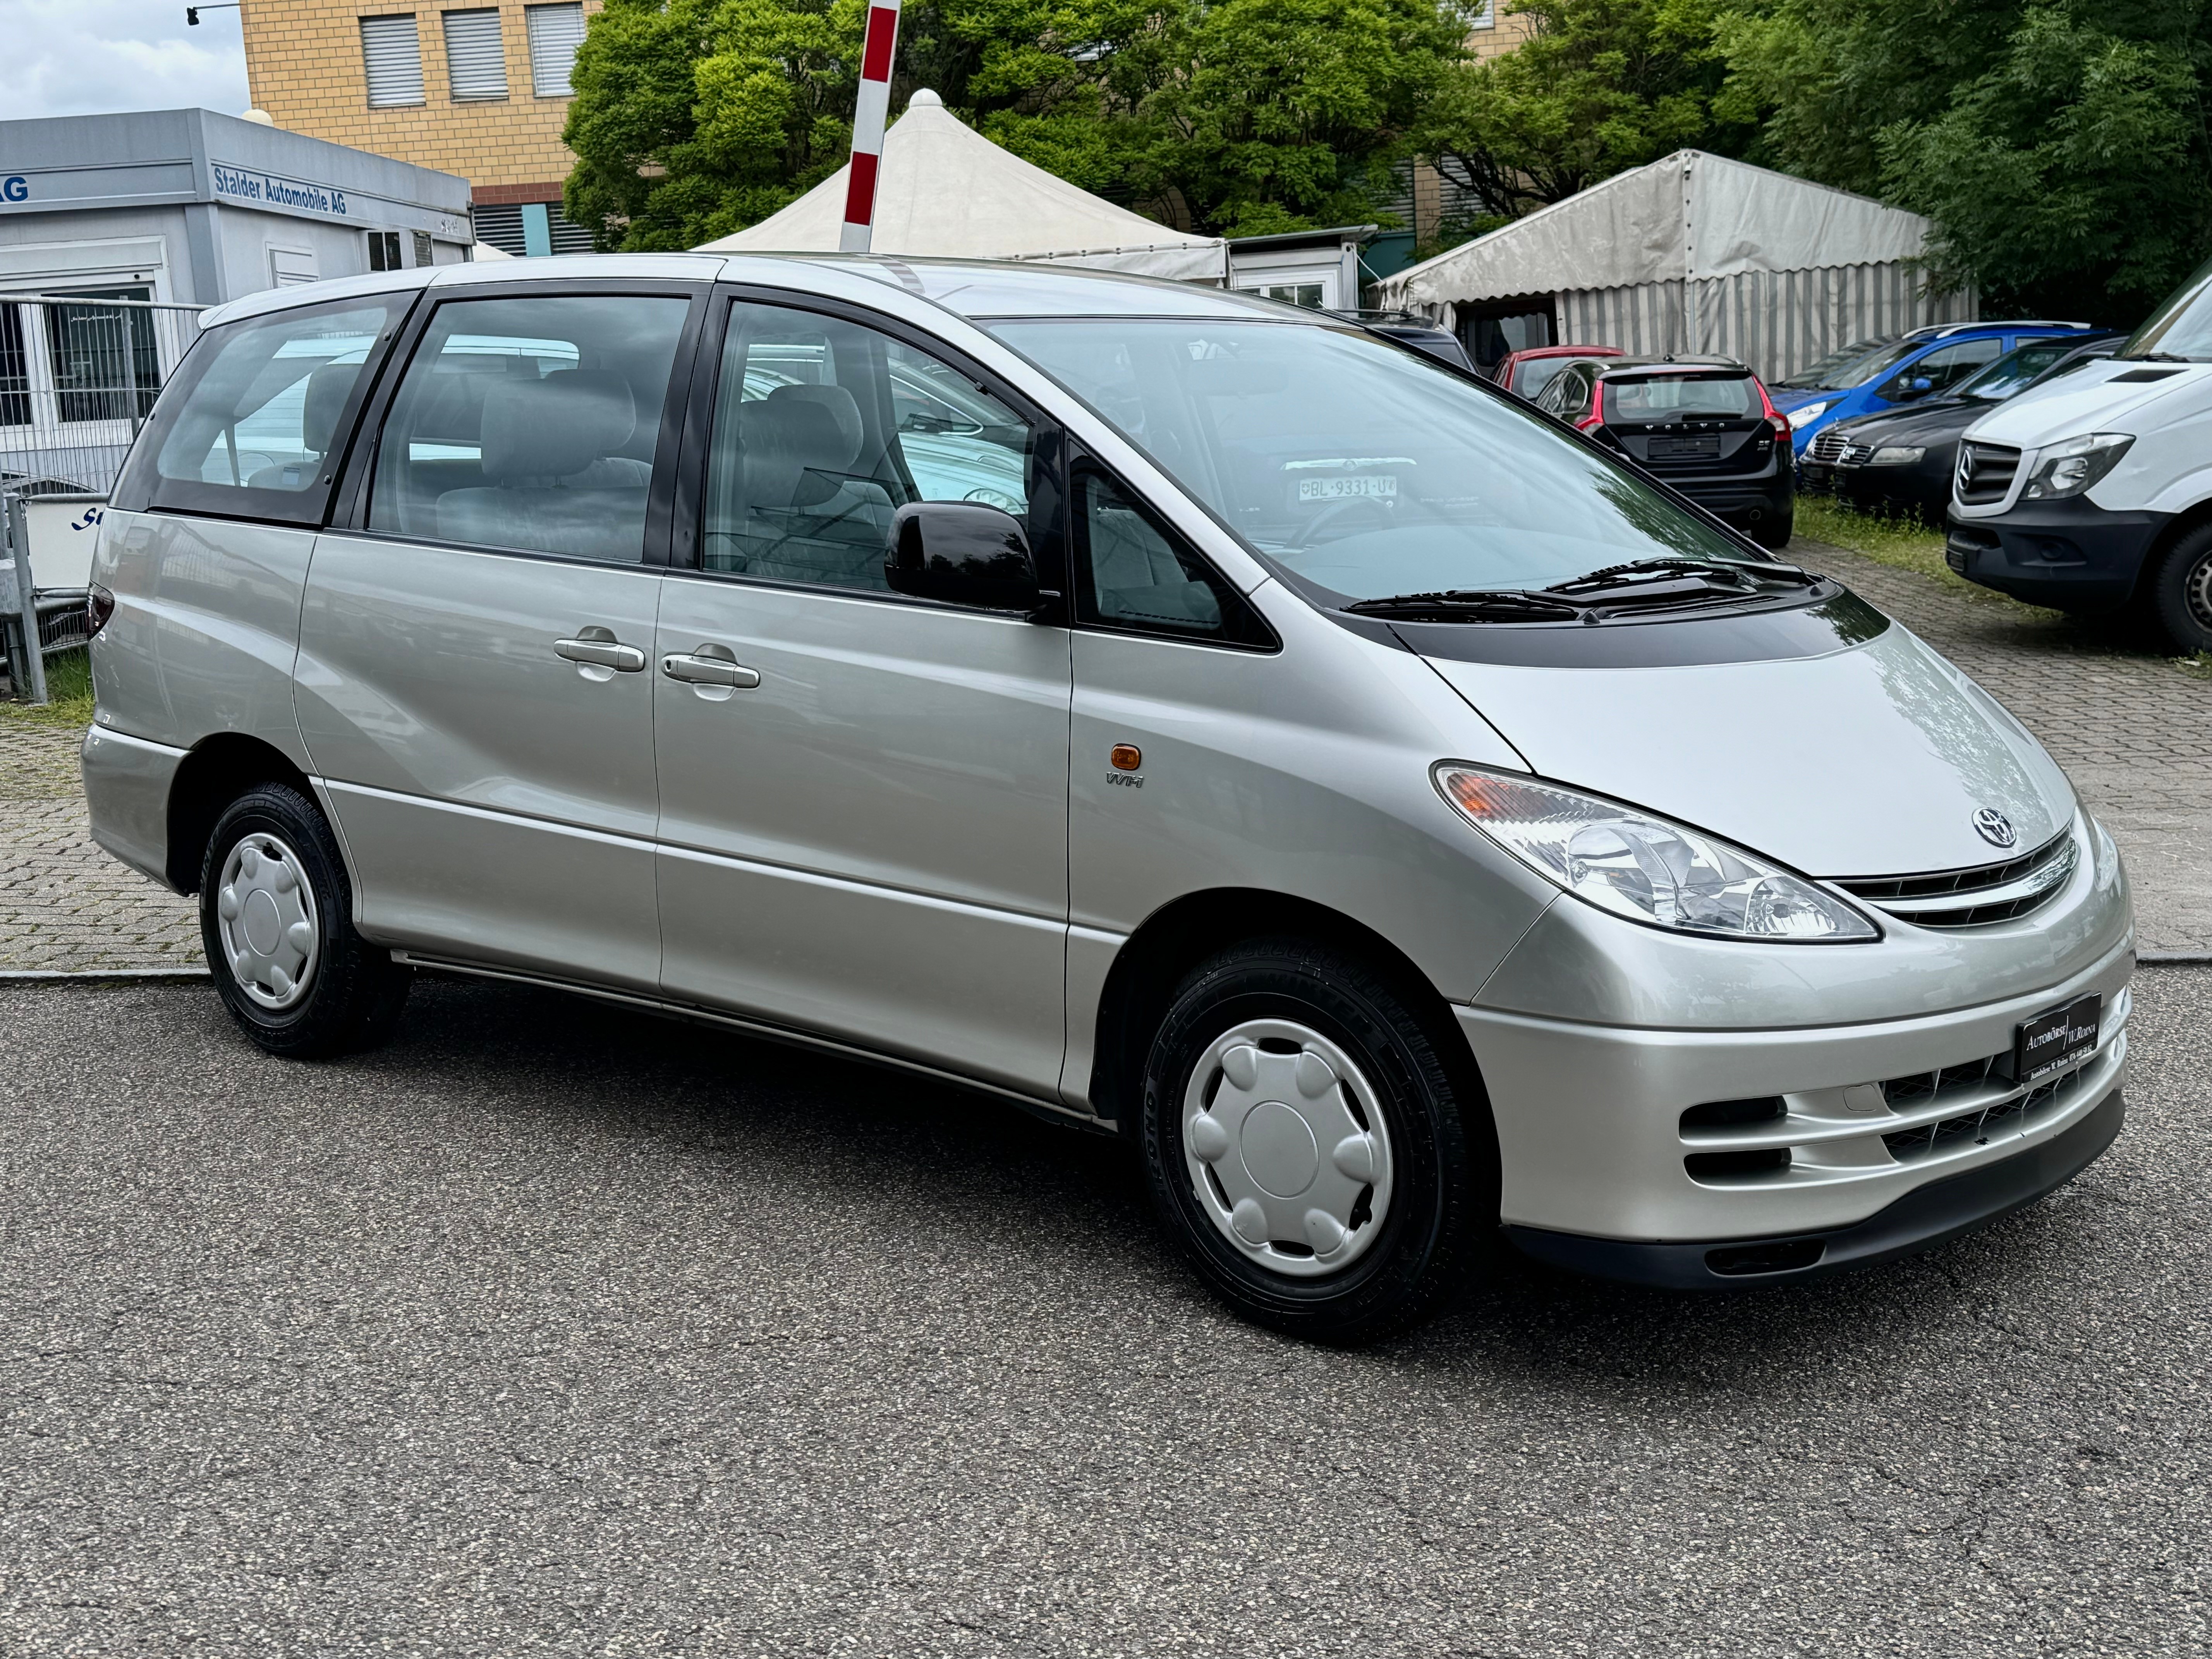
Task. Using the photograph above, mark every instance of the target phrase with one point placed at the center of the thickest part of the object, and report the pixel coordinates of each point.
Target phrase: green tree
(2061, 149)
(1599, 87)
(694, 118)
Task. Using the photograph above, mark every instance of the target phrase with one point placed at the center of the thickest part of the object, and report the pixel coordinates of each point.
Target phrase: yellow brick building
(477, 89)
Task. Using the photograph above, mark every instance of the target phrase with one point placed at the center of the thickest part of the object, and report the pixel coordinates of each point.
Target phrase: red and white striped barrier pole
(868, 115)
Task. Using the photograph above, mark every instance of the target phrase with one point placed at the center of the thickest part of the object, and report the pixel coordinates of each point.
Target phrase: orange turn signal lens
(1125, 756)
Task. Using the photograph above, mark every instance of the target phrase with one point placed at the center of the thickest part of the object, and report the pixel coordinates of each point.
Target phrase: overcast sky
(89, 56)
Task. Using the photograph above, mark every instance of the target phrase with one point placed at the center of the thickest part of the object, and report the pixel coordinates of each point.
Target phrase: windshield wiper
(1469, 605)
(1650, 574)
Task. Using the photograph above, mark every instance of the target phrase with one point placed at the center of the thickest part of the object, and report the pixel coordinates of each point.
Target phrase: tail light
(1775, 418)
(99, 606)
(1596, 416)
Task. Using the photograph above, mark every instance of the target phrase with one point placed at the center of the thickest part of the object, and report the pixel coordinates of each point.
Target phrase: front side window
(825, 428)
(1359, 469)
(252, 423)
(532, 423)
(1942, 368)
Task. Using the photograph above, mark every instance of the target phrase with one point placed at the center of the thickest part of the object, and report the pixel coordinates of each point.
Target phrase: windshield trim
(1326, 599)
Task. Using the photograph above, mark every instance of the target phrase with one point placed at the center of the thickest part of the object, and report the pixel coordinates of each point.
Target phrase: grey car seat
(328, 388)
(808, 515)
(552, 478)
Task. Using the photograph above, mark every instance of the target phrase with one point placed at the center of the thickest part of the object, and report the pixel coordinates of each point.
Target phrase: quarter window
(1137, 576)
(532, 423)
(824, 427)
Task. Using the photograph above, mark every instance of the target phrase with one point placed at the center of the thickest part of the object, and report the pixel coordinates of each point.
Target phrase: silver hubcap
(1288, 1153)
(2197, 591)
(265, 913)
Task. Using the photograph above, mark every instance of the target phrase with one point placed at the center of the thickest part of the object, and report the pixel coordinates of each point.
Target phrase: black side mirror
(963, 553)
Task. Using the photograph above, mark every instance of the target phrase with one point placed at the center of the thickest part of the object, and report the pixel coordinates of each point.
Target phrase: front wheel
(2181, 591)
(277, 921)
(1324, 1169)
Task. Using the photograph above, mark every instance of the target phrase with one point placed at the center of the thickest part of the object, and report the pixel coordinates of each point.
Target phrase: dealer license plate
(2052, 1043)
(1343, 489)
(1676, 449)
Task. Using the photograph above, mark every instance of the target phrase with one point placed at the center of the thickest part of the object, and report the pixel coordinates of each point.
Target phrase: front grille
(1978, 1126)
(1985, 472)
(1832, 448)
(1972, 897)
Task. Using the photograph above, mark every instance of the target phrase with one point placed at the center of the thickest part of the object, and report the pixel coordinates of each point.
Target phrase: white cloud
(92, 57)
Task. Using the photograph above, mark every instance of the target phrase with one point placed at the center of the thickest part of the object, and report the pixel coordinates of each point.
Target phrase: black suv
(1703, 424)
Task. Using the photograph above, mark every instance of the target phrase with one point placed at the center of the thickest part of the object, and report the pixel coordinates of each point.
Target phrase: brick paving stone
(65, 904)
(2132, 730)
(2133, 733)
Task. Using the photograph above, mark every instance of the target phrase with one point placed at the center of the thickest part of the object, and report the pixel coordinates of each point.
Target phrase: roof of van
(969, 288)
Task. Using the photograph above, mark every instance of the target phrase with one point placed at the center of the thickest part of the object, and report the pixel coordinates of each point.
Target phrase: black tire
(351, 995)
(1440, 1224)
(2181, 591)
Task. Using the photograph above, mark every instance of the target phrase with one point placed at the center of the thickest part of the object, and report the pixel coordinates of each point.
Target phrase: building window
(1482, 15)
(422, 254)
(14, 370)
(556, 32)
(106, 365)
(475, 58)
(384, 250)
(392, 51)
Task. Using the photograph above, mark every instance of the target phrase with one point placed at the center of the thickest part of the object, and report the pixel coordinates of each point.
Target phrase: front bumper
(1592, 1142)
(1925, 1216)
(1924, 486)
(2069, 555)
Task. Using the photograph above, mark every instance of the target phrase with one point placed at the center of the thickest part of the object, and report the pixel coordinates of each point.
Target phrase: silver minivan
(1405, 822)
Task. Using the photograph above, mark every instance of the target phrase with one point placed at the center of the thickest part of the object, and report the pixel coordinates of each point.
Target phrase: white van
(2093, 492)
(1200, 721)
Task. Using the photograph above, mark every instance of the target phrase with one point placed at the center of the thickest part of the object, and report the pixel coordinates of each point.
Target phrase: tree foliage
(2060, 149)
(1599, 87)
(694, 118)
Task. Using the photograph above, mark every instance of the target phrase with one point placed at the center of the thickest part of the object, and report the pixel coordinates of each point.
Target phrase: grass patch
(69, 687)
(1905, 542)
(2196, 665)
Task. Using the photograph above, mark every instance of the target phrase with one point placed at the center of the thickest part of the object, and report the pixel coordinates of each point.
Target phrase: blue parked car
(1869, 376)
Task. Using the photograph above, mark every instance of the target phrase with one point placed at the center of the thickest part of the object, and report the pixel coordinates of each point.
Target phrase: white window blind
(556, 32)
(392, 51)
(475, 61)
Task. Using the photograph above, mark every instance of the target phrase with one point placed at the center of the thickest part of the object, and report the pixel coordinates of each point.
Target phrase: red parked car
(1529, 372)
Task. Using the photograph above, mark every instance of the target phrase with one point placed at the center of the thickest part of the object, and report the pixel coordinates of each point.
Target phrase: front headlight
(2069, 468)
(1896, 455)
(1644, 868)
(1800, 417)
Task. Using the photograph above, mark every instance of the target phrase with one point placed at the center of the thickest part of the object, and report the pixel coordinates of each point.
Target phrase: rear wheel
(2181, 591)
(277, 921)
(1324, 1169)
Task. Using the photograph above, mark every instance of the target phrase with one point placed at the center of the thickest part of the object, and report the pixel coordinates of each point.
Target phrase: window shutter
(475, 61)
(393, 53)
(556, 32)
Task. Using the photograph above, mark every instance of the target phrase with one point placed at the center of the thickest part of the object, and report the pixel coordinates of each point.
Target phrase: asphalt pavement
(553, 1329)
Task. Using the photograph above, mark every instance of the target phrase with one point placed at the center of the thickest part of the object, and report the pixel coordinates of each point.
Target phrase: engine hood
(2108, 395)
(1922, 423)
(1867, 760)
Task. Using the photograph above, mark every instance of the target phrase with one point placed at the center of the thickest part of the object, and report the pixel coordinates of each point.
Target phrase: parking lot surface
(558, 1330)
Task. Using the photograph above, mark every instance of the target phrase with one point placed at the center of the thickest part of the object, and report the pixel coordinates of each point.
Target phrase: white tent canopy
(945, 190)
(1696, 253)
(1688, 215)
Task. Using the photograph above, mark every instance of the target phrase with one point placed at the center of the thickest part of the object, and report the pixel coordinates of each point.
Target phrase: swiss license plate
(2050, 1042)
(1675, 448)
(1345, 488)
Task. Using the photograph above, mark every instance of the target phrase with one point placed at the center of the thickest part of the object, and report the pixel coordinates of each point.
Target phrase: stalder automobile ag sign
(266, 190)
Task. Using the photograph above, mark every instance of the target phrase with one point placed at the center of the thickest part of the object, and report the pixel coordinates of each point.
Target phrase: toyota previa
(1410, 826)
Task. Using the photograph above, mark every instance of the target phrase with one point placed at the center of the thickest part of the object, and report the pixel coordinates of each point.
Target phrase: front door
(473, 679)
(864, 798)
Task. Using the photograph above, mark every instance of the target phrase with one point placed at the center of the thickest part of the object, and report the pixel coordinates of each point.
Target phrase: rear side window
(252, 424)
(1664, 397)
(532, 423)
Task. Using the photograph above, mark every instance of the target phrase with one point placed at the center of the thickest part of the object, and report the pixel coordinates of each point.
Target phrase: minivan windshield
(2180, 331)
(1364, 470)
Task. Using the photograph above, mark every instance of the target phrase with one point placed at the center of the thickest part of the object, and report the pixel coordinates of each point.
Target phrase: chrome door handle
(695, 670)
(602, 653)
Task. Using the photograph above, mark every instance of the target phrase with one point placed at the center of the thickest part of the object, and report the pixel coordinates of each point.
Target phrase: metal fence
(78, 376)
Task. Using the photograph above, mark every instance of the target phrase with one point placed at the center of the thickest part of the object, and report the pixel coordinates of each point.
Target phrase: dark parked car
(1704, 424)
(1529, 372)
(1901, 461)
(1408, 329)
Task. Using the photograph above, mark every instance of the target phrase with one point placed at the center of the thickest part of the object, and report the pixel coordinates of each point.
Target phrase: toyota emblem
(1994, 827)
